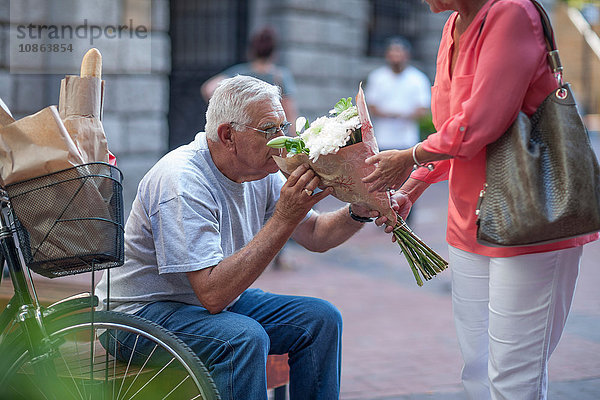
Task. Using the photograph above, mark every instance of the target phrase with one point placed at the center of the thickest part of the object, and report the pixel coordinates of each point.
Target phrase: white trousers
(509, 314)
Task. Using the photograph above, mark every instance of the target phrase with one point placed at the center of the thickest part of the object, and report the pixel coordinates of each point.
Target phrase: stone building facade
(136, 100)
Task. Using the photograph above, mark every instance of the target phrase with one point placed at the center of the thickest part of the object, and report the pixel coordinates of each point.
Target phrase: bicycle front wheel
(115, 356)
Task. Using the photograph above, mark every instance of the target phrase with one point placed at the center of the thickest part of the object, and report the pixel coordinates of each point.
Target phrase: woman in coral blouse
(510, 303)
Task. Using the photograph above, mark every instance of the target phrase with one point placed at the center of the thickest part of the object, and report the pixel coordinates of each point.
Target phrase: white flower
(348, 114)
(300, 123)
(327, 135)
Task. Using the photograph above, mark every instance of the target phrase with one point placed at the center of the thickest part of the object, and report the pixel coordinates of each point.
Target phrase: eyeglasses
(271, 132)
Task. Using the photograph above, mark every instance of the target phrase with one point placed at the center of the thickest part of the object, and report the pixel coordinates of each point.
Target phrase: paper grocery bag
(80, 107)
(36, 145)
(5, 115)
(70, 217)
(88, 135)
(81, 96)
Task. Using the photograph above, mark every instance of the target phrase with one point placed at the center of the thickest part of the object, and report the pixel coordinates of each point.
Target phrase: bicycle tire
(152, 363)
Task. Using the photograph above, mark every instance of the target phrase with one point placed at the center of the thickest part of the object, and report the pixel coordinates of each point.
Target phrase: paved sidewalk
(399, 339)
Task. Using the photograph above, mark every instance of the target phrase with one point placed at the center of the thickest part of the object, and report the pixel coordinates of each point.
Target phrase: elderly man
(207, 220)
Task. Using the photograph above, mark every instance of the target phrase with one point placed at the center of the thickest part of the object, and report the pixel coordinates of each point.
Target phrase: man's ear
(225, 134)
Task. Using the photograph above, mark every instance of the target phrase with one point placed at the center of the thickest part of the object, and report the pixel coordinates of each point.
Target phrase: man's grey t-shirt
(186, 216)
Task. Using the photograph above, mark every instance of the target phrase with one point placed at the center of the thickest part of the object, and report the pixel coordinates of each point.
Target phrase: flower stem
(420, 257)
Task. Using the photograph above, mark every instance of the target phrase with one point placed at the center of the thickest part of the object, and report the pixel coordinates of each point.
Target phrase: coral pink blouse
(501, 68)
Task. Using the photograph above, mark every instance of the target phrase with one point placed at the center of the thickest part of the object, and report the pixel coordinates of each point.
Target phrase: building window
(393, 18)
(206, 37)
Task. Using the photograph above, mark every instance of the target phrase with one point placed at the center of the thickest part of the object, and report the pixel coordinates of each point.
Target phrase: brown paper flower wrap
(344, 170)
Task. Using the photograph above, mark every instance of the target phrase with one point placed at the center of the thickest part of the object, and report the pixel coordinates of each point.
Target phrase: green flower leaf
(342, 105)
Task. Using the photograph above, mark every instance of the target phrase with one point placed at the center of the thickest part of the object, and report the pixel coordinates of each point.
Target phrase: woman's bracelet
(429, 166)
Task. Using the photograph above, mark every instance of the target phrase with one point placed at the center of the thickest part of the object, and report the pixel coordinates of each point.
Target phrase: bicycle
(65, 223)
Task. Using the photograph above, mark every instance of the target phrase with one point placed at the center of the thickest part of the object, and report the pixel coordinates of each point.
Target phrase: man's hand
(363, 211)
(297, 196)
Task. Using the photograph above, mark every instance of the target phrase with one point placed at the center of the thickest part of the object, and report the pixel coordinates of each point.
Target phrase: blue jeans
(234, 344)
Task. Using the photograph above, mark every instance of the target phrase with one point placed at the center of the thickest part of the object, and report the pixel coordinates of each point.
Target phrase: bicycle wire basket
(71, 221)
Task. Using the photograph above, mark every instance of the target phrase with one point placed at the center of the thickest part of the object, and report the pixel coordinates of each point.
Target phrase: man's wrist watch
(358, 217)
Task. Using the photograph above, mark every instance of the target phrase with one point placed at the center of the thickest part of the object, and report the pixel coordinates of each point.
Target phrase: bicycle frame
(24, 308)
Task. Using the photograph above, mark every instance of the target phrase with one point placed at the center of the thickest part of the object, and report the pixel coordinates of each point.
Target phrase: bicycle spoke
(151, 379)
(141, 368)
(80, 368)
(128, 364)
(35, 384)
(175, 388)
(92, 353)
(114, 380)
(68, 369)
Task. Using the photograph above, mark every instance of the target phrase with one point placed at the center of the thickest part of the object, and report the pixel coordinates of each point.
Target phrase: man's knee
(252, 337)
(327, 314)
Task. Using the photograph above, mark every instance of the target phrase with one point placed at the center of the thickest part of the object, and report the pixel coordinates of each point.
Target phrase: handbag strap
(553, 57)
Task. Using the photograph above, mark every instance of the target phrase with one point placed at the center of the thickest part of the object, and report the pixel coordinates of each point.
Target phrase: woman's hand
(392, 168)
(401, 203)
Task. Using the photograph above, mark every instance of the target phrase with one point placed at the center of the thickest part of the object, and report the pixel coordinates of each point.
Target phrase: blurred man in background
(398, 95)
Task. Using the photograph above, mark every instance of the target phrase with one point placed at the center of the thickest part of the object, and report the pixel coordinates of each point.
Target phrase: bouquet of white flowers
(336, 148)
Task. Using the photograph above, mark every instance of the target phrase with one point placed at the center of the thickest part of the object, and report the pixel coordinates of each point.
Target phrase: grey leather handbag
(542, 176)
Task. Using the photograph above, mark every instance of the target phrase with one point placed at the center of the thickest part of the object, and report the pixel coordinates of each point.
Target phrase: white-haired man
(207, 220)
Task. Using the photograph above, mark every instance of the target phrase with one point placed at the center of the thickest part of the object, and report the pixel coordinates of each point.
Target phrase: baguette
(91, 65)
